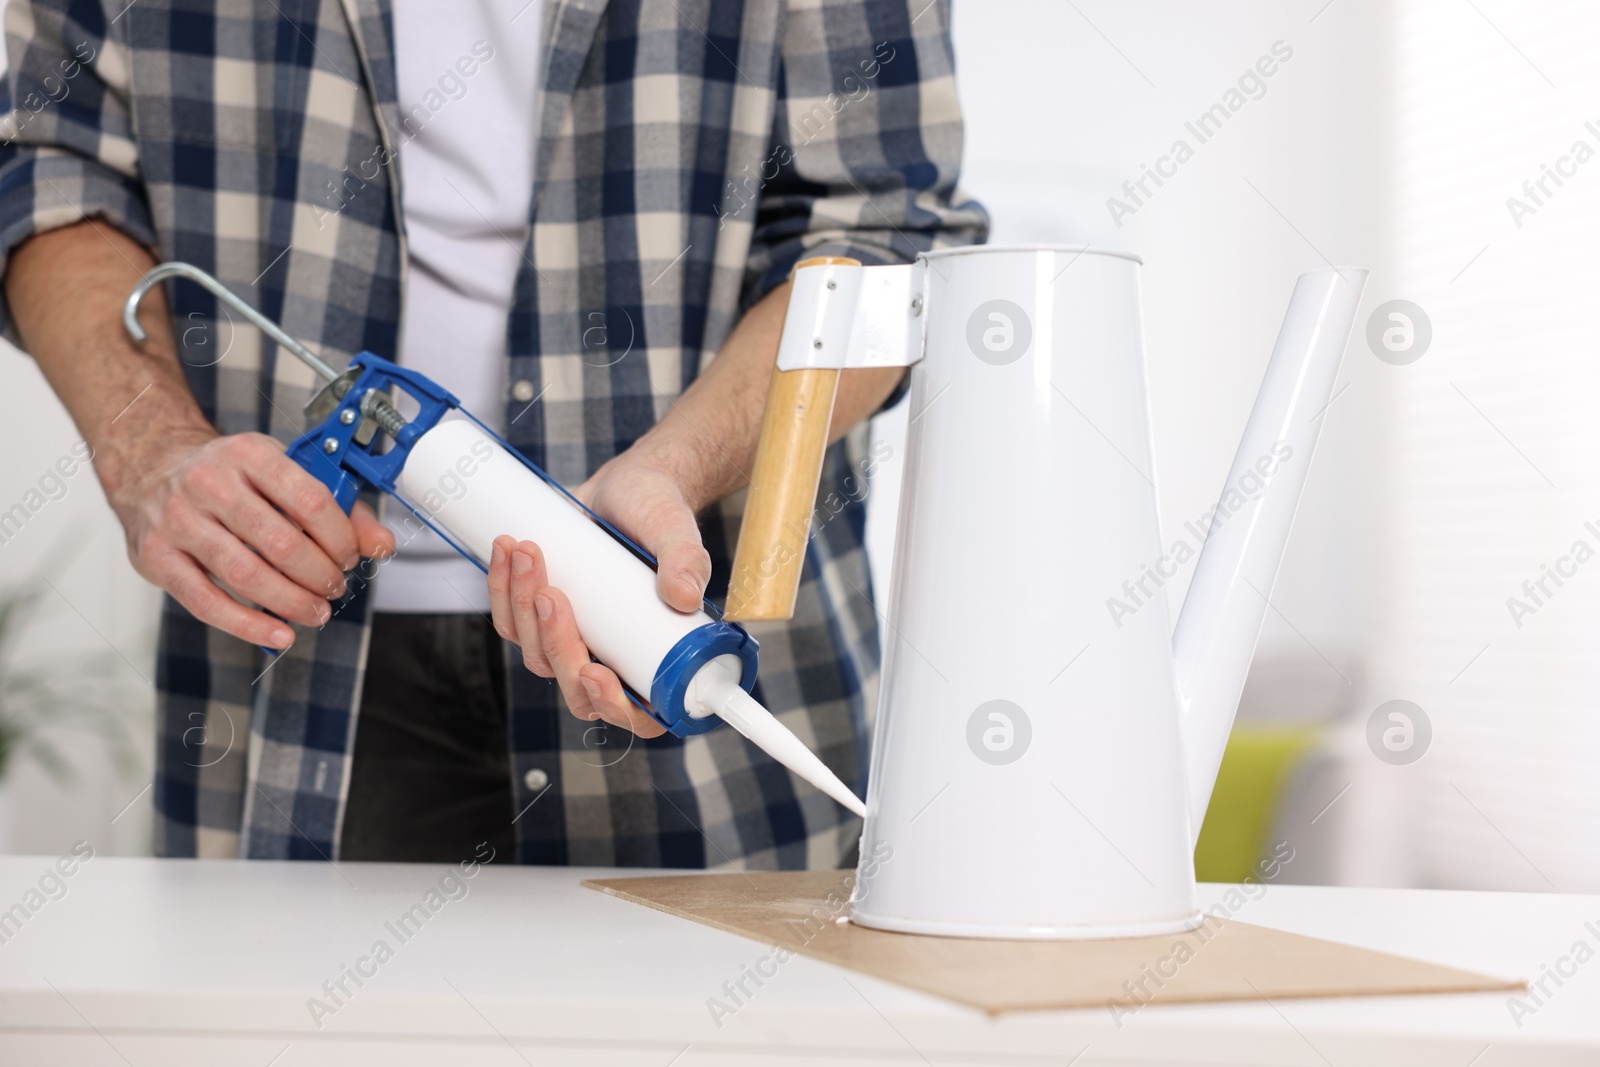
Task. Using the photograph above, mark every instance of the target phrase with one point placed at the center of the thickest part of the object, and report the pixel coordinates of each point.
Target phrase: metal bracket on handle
(844, 317)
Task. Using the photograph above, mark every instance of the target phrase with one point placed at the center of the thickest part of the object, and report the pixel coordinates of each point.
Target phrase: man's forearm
(707, 440)
(66, 289)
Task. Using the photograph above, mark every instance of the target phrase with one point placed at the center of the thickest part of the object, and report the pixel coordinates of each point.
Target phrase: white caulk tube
(691, 666)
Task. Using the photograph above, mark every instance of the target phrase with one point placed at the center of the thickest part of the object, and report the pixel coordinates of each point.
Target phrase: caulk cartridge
(693, 668)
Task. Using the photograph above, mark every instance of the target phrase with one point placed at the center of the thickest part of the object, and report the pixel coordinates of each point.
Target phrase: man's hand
(196, 507)
(697, 454)
(649, 506)
(237, 508)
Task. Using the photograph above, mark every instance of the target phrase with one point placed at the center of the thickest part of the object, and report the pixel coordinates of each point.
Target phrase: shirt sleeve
(866, 143)
(67, 151)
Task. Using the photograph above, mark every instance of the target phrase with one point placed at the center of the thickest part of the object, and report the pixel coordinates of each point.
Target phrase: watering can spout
(1217, 629)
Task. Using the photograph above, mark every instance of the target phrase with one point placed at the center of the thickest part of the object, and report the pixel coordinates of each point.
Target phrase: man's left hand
(650, 507)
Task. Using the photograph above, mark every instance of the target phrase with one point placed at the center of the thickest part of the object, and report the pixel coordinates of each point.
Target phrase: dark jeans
(431, 780)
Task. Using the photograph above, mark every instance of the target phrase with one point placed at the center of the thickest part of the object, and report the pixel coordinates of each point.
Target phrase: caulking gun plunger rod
(375, 405)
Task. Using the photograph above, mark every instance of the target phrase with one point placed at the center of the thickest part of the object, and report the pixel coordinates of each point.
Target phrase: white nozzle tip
(719, 692)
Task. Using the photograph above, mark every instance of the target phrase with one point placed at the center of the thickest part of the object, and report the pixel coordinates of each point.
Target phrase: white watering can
(1046, 744)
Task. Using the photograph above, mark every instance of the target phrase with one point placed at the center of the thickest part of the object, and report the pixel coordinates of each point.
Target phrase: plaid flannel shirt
(689, 153)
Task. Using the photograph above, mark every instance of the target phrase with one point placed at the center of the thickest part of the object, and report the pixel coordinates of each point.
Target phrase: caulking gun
(694, 667)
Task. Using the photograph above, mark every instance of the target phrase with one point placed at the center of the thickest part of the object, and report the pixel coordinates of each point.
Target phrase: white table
(172, 963)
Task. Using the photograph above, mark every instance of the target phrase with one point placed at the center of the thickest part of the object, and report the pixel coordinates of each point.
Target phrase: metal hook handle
(130, 311)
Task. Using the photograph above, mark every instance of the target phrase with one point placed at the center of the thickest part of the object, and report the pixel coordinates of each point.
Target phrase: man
(578, 216)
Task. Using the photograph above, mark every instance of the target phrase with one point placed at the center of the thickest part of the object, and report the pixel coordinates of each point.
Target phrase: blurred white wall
(93, 635)
(1496, 460)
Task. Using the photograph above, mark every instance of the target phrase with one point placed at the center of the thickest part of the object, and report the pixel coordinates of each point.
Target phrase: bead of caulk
(843, 920)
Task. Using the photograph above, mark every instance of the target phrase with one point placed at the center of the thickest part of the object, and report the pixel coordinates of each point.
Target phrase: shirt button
(522, 390)
(536, 779)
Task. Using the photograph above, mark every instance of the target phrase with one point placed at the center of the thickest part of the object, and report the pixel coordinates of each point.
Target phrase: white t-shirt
(466, 78)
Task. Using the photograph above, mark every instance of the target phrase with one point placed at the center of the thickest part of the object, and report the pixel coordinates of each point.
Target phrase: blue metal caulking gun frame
(339, 451)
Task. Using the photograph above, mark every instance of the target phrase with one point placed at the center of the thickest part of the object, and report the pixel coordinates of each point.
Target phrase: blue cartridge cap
(696, 649)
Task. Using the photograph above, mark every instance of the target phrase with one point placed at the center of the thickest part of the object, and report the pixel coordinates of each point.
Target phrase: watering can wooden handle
(783, 488)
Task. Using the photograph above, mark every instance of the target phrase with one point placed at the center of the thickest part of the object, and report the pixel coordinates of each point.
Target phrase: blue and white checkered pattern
(690, 152)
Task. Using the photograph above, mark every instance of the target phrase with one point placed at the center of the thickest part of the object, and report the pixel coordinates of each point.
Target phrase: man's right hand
(197, 508)
(238, 509)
